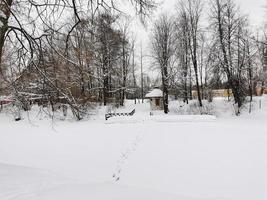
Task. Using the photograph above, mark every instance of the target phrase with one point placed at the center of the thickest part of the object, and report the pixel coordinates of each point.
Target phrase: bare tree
(125, 57)
(182, 51)
(134, 69)
(49, 16)
(163, 50)
(191, 9)
(229, 28)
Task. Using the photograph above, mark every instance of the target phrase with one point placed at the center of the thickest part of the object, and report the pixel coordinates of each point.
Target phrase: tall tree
(182, 51)
(125, 57)
(5, 12)
(192, 9)
(163, 50)
(49, 16)
(229, 28)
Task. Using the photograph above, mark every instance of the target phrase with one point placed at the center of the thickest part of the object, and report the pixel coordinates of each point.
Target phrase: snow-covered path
(223, 159)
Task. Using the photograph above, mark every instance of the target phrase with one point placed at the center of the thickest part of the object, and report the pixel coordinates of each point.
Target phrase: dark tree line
(78, 52)
(64, 57)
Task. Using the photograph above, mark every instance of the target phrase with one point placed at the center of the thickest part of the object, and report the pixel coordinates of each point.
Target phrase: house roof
(155, 93)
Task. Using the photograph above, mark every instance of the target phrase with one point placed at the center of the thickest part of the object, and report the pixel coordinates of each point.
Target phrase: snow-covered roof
(155, 93)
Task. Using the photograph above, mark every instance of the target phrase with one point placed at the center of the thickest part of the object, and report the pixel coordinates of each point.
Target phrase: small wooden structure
(156, 99)
(259, 88)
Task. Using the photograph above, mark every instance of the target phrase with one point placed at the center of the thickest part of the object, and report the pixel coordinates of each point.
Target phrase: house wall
(153, 104)
(265, 60)
(264, 76)
(222, 93)
(215, 93)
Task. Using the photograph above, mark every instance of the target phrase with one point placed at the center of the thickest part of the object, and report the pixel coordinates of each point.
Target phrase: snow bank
(106, 191)
(161, 118)
(18, 182)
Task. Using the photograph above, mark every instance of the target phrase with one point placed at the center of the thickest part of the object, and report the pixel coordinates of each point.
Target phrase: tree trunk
(124, 70)
(190, 84)
(165, 86)
(197, 84)
(4, 17)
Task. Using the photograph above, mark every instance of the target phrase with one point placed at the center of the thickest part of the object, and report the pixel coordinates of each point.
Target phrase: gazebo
(156, 99)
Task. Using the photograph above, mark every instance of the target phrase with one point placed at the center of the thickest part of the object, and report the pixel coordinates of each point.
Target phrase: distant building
(264, 89)
(214, 93)
(265, 60)
(261, 84)
(259, 88)
(156, 99)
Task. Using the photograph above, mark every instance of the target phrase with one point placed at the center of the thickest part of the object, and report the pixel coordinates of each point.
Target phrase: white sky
(255, 8)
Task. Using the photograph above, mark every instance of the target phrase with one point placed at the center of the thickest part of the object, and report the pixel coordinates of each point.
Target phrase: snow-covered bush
(192, 108)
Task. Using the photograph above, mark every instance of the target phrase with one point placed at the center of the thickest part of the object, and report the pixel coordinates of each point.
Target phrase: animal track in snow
(125, 156)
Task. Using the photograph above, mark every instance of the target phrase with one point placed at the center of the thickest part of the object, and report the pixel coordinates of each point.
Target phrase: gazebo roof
(155, 93)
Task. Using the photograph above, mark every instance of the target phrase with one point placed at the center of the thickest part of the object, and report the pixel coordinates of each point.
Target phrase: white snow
(154, 93)
(2, 98)
(159, 157)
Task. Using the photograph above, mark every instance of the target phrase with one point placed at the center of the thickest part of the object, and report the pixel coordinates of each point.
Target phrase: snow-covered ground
(147, 156)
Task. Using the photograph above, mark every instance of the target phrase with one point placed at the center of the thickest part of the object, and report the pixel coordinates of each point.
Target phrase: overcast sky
(255, 8)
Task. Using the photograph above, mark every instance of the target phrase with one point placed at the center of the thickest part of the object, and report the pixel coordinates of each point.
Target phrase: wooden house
(156, 99)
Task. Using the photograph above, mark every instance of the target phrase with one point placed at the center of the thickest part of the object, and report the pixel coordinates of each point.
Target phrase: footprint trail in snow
(121, 162)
